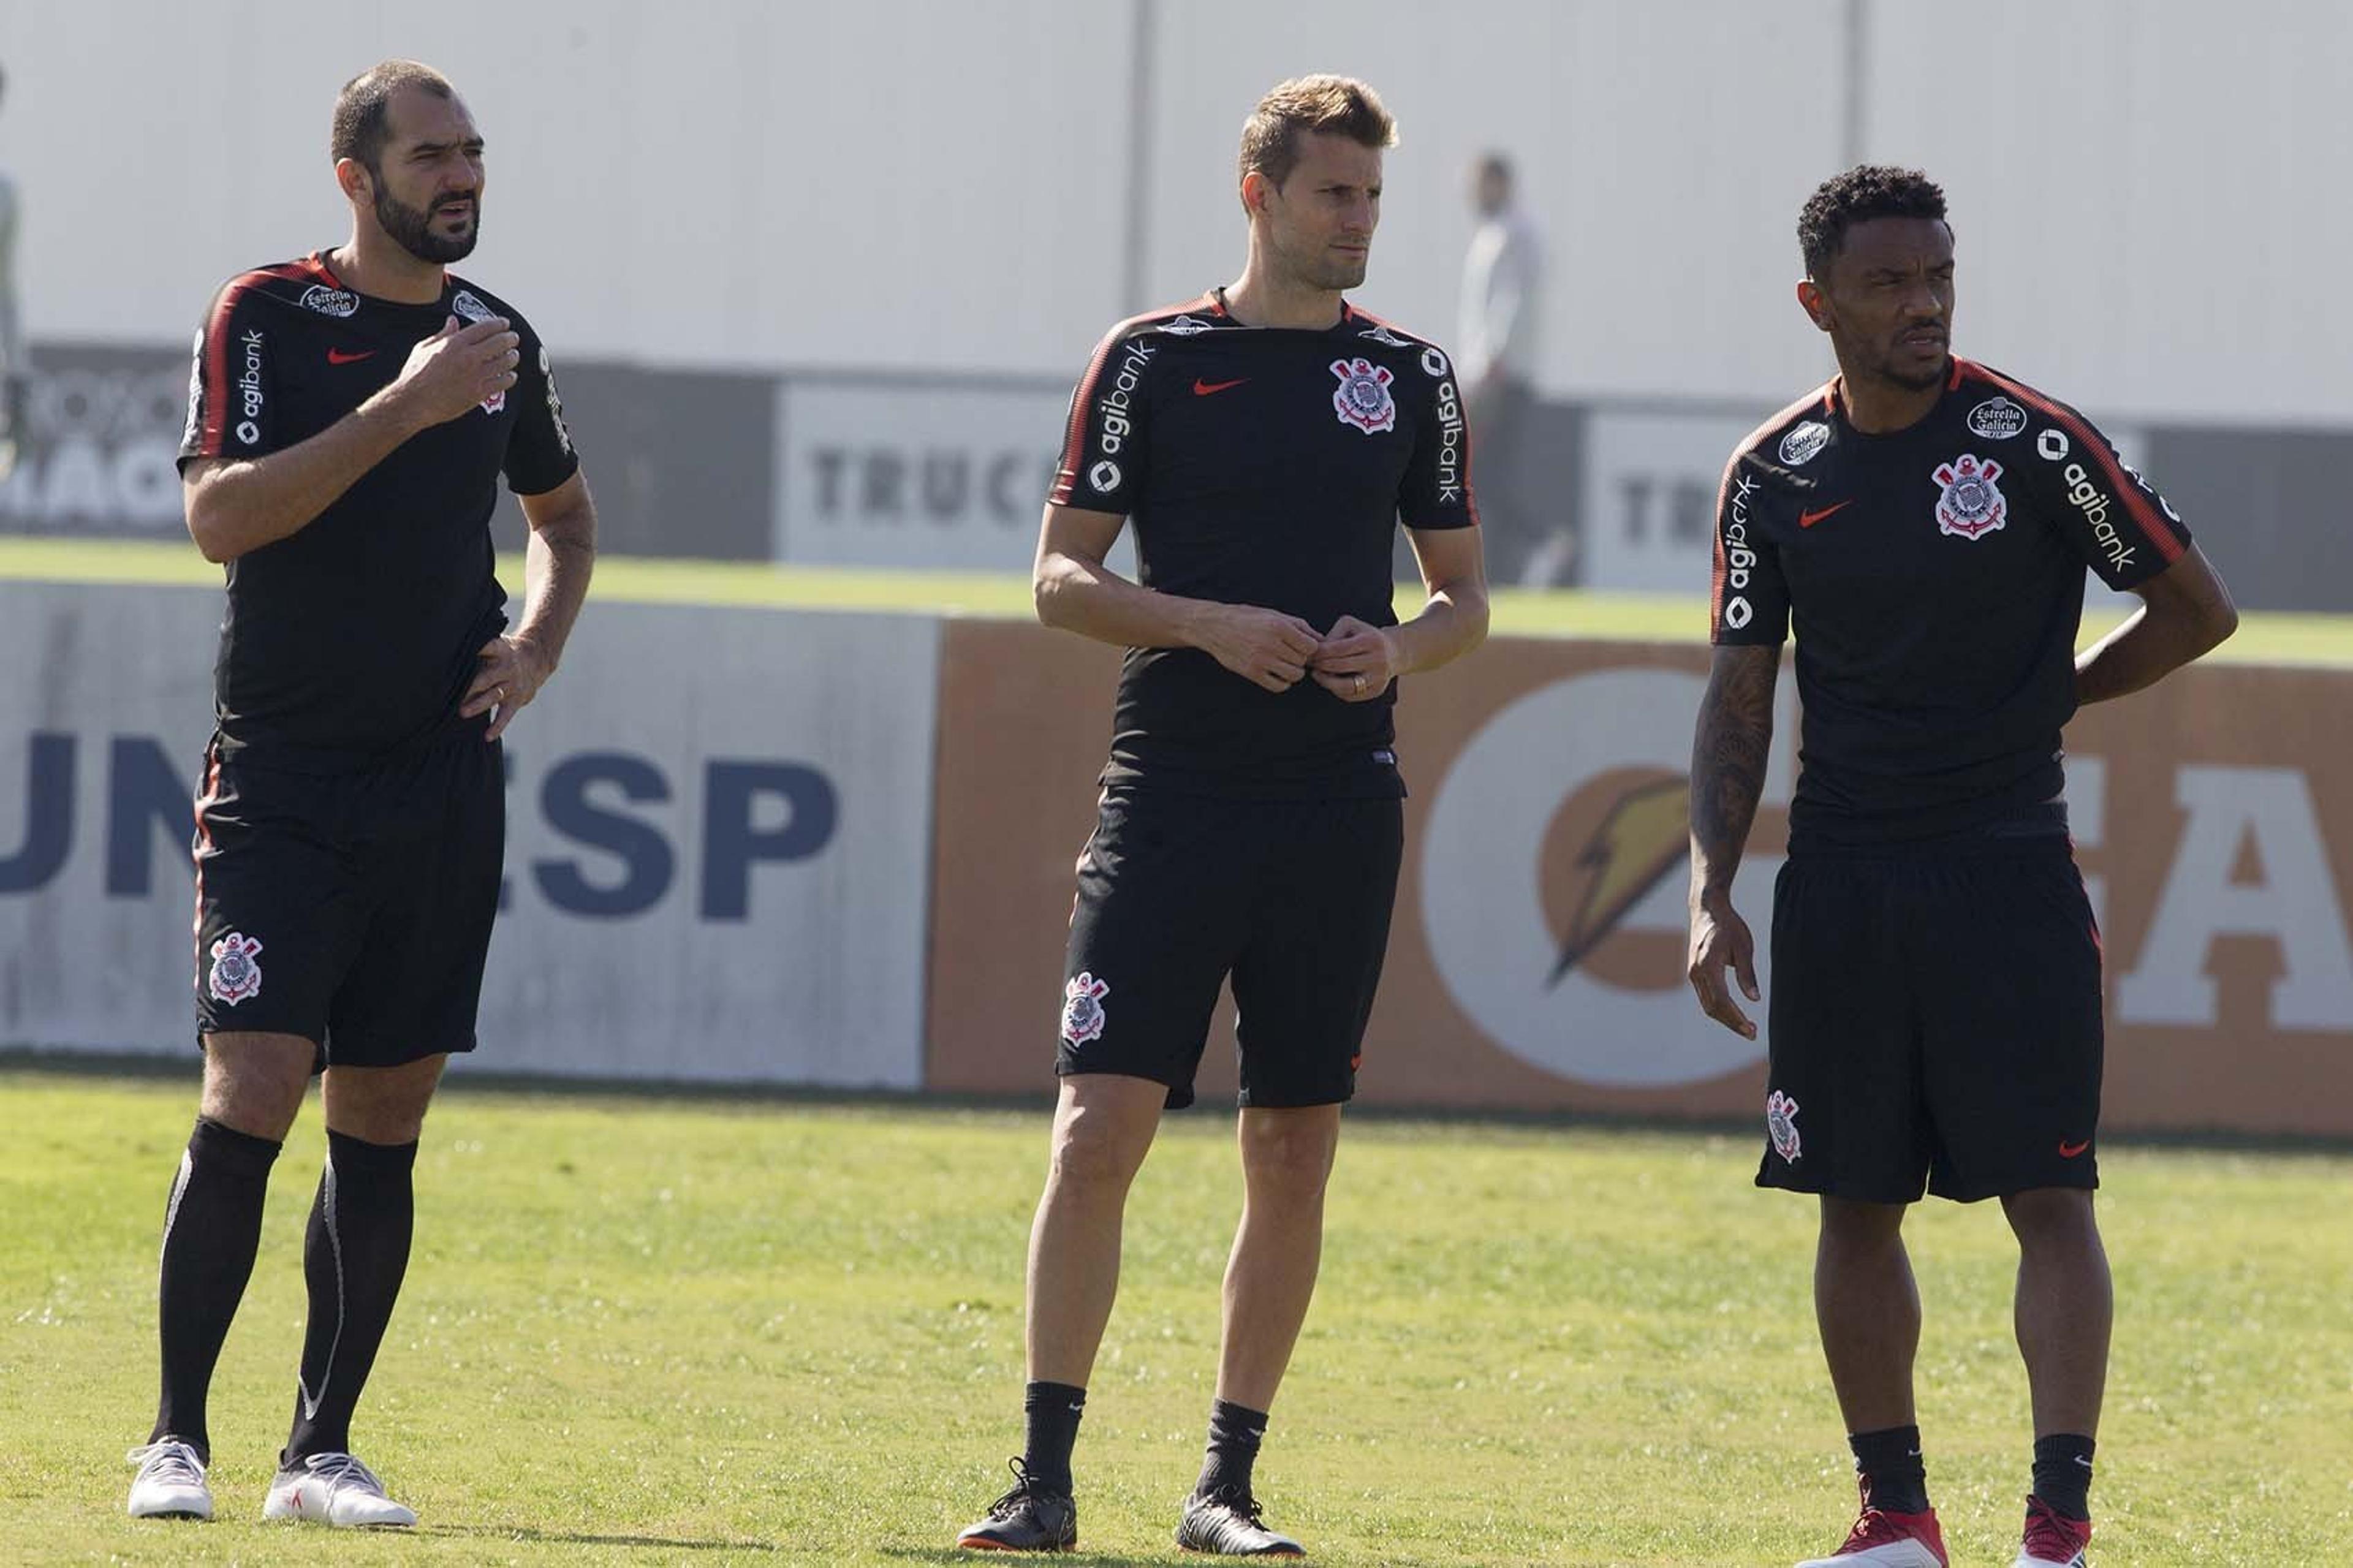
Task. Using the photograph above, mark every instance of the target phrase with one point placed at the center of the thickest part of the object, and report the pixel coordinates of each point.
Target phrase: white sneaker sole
(290, 1506)
(179, 1502)
(1896, 1554)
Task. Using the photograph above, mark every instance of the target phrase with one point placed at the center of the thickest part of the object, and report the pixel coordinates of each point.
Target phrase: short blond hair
(1335, 105)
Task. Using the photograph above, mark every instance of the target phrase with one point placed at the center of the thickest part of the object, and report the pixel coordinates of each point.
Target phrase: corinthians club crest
(235, 973)
(1972, 504)
(1082, 1010)
(1363, 398)
(1781, 1123)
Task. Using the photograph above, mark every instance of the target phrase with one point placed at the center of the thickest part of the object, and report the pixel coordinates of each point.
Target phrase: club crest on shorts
(1083, 1008)
(1781, 1122)
(1363, 398)
(237, 972)
(1971, 505)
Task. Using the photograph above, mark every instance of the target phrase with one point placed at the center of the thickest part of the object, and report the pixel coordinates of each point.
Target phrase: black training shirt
(356, 637)
(1934, 577)
(1268, 466)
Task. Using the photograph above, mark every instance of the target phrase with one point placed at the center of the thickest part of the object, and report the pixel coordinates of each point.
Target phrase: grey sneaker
(1228, 1525)
(1027, 1519)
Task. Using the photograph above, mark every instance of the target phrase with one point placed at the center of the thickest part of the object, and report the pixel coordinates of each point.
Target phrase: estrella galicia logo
(331, 301)
(1997, 419)
(1801, 445)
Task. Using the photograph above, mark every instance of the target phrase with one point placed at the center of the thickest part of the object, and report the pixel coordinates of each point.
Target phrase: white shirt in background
(12, 347)
(1503, 278)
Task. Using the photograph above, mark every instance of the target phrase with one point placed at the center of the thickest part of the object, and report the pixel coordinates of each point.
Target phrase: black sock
(1052, 1410)
(212, 1228)
(352, 1260)
(2063, 1473)
(1235, 1433)
(1894, 1477)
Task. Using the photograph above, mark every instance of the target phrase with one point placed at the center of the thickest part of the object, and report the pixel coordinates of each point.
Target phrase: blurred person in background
(1926, 523)
(15, 370)
(350, 416)
(1497, 345)
(1265, 438)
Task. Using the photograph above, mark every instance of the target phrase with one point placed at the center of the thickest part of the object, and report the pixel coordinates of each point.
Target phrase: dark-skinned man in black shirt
(1264, 439)
(1924, 523)
(349, 417)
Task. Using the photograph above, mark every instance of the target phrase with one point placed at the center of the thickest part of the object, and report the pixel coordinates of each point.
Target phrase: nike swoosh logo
(1203, 388)
(1807, 518)
(2069, 1150)
(337, 356)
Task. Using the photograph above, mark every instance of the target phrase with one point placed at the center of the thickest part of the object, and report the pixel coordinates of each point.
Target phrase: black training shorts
(1935, 1017)
(350, 909)
(1177, 891)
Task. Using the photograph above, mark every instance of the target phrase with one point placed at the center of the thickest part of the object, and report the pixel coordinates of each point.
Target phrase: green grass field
(668, 1330)
(1518, 612)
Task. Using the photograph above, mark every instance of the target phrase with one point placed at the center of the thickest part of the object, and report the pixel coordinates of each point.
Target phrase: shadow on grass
(575, 1538)
(1071, 1559)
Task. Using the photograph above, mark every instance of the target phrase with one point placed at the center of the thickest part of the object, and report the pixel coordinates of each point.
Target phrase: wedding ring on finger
(1360, 685)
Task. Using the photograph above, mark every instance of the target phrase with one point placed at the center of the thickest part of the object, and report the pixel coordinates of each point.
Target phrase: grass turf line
(690, 1331)
(2263, 638)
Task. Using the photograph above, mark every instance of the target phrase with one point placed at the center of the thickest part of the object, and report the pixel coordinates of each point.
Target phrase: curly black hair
(1864, 191)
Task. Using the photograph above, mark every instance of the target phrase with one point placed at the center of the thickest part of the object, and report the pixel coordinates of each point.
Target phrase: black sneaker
(1027, 1519)
(1228, 1525)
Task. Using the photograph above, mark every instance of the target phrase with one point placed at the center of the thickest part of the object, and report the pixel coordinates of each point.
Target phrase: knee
(255, 1086)
(2052, 1217)
(1289, 1152)
(1095, 1152)
(1851, 1226)
(386, 1124)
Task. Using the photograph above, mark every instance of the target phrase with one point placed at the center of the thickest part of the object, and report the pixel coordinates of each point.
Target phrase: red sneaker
(1888, 1539)
(2053, 1540)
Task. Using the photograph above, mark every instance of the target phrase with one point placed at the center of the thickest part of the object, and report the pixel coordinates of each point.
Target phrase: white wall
(2147, 191)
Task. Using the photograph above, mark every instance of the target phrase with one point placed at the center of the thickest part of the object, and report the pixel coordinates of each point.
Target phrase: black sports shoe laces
(1025, 1488)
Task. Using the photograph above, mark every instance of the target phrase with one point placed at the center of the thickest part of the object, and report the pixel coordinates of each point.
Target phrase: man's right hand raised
(1265, 647)
(456, 369)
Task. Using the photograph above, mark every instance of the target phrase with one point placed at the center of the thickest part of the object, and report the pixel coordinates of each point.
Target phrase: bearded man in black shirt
(1926, 523)
(1264, 439)
(350, 416)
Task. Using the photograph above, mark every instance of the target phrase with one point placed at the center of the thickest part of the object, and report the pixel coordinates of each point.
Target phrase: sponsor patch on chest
(1804, 444)
(1361, 398)
(1971, 504)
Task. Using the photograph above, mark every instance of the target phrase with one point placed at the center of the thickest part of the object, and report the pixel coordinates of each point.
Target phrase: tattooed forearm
(1727, 772)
